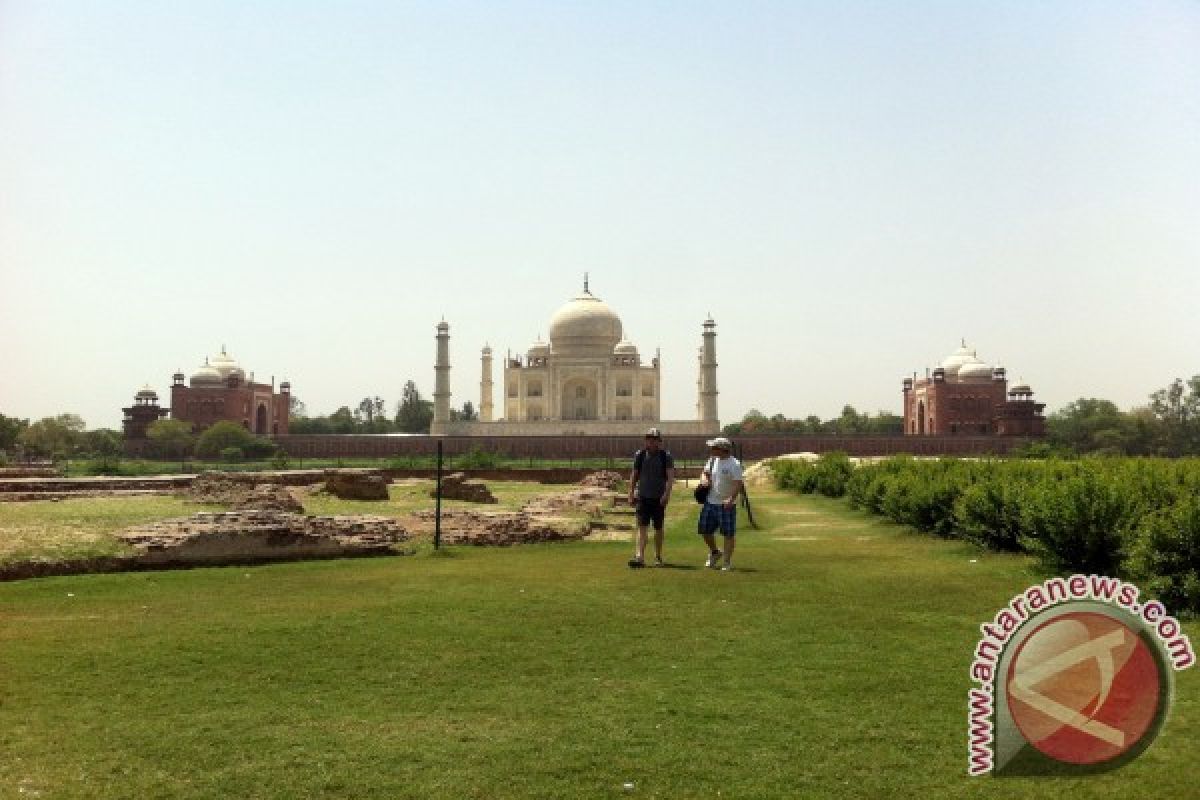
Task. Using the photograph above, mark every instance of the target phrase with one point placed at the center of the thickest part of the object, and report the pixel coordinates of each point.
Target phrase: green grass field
(833, 663)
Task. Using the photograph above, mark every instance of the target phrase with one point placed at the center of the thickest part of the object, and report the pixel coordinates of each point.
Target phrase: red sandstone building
(216, 392)
(966, 396)
(219, 391)
(145, 410)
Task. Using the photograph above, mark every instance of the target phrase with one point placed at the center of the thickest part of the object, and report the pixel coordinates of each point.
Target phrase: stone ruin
(604, 479)
(236, 537)
(500, 528)
(243, 491)
(356, 484)
(456, 486)
(590, 499)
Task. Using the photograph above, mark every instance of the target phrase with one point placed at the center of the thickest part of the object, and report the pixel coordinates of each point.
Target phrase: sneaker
(658, 562)
(636, 563)
(714, 559)
(727, 568)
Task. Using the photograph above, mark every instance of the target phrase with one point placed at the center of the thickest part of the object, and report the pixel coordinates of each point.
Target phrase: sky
(848, 188)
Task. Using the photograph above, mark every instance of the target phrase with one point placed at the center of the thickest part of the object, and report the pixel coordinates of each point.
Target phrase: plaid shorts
(713, 517)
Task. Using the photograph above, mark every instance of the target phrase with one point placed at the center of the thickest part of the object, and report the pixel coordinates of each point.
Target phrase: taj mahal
(588, 379)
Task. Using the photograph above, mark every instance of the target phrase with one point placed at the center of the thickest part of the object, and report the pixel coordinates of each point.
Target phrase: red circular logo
(1084, 688)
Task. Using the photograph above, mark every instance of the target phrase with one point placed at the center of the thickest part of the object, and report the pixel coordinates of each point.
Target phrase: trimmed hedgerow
(1129, 517)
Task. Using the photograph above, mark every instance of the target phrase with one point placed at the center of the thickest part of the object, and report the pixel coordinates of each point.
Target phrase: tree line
(1167, 425)
(413, 415)
(849, 421)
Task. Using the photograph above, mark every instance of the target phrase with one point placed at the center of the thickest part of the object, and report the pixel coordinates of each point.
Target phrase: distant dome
(207, 375)
(226, 366)
(975, 369)
(585, 326)
(147, 392)
(953, 362)
(626, 348)
(1021, 388)
(538, 349)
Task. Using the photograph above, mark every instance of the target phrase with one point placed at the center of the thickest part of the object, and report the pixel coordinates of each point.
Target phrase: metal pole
(437, 514)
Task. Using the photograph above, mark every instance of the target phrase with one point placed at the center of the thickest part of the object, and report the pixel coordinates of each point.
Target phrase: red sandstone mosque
(965, 396)
(219, 390)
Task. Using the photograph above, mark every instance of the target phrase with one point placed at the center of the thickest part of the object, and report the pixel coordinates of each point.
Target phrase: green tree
(171, 438)
(223, 436)
(53, 436)
(467, 414)
(1177, 408)
(1089, 425)
(103, 442)
(415, 414)
(343, 421)
(10, 430)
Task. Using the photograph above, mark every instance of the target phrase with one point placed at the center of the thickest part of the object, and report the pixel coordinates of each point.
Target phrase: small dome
(1021, 388)
(146, 391)
(955, 360)
(975, 370)
(585, 326)
(207, 375)
(625, 348)
(226, 366)
(538, 349)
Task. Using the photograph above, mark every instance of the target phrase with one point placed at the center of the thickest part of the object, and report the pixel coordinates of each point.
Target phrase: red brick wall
(618, 447)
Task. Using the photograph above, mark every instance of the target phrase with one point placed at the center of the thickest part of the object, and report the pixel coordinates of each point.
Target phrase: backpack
(639, 458)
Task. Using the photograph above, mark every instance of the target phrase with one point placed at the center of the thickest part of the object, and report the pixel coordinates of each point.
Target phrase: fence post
(437, 514)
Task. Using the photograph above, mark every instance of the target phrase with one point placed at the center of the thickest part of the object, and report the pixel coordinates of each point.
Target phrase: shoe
(636, 563)
(727, 568)
(658, 562)
(714, 559)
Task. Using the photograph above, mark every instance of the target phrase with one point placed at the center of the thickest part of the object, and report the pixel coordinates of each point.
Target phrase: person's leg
(728, 531)
(639, 548)
(658, 520)
(707, 526)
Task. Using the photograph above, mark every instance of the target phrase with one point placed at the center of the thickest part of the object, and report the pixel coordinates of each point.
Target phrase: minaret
(485, 386)
(708, 375)
(441, 387)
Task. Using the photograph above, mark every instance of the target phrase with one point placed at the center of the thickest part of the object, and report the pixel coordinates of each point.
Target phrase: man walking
(722, 475)
(650, 486)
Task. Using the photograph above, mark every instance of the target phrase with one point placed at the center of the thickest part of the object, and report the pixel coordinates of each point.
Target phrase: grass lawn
(833, 663)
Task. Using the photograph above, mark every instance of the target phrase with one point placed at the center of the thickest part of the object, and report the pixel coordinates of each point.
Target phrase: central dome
(585, 326)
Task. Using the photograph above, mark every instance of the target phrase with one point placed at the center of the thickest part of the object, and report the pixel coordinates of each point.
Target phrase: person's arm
(706, 474)
(633, 479)
(666, 495)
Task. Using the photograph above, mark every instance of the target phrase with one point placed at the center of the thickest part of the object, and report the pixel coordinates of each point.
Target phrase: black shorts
(650, 510)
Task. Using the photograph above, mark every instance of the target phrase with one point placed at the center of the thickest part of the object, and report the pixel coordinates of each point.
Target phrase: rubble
(456, 486)
(247, 536)
(604, 479)
(356, 484)
(501, 528)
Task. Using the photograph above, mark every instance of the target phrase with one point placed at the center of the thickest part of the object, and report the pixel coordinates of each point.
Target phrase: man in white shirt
(723, 475)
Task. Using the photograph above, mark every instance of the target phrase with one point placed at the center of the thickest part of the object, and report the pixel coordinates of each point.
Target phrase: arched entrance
(921, 417)
(579, 399)
(260, 419)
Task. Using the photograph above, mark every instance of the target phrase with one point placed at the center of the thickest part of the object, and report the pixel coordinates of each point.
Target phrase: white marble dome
(226, 366)
(207, 375)
(975, 370)
(585, 326)
(953, 362)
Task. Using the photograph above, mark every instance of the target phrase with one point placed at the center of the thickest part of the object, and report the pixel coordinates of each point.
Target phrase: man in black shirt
(650, 486)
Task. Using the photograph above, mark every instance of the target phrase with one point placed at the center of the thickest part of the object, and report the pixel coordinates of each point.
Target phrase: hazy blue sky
(849, 188)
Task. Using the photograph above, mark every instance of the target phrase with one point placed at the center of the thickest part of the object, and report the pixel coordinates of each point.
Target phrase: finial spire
(964, 341)
(585, 284)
